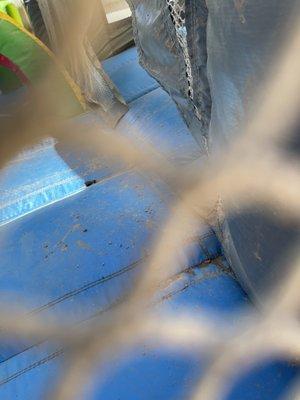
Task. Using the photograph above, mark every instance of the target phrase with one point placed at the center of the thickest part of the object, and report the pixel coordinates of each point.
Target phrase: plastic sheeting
(243, 38)
(107, 39)
(78, 53)
(161, 37)
(230, 45)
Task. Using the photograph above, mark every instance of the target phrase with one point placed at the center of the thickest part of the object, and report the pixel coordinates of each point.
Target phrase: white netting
(177, 11)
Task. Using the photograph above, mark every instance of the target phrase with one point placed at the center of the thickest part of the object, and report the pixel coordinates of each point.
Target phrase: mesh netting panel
(177, 11)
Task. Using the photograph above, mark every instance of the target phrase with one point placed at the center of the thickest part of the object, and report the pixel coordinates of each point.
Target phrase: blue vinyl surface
(35, 179)
(79, 255)
(132, 81)
(154, 119)
(153, 372)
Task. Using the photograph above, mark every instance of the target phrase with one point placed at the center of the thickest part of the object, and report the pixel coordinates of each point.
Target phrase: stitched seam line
(61, 351)
(32, 366)
(87, 286)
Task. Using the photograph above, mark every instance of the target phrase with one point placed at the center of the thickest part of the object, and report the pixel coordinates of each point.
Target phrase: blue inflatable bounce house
(75, 228)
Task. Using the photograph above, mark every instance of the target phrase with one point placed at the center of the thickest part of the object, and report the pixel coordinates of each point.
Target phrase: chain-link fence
(230, 176)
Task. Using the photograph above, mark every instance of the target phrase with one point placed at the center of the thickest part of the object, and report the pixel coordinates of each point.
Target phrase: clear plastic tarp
(81, 60)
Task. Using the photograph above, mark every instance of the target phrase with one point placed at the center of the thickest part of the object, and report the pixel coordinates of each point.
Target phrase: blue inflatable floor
(76, 232)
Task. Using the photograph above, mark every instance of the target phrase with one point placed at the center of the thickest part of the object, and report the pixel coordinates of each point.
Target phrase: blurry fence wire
(274, 330)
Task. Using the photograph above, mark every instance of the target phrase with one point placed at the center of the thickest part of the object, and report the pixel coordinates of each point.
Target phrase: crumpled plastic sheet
(243, 39)
(231, 45)
(80, 59)
(162, 54)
